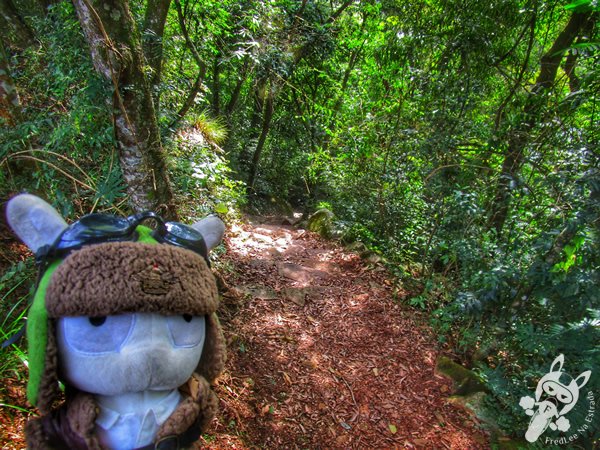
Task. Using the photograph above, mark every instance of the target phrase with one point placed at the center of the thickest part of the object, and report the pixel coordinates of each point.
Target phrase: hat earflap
(214, 354)
(42, 386)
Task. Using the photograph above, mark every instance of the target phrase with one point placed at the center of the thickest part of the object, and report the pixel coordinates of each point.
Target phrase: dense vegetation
(457, 139)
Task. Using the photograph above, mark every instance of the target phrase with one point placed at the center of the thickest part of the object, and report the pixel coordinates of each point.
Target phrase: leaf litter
(346, 367)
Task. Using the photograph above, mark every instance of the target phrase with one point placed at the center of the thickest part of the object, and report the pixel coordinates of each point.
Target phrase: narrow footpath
(322, 356)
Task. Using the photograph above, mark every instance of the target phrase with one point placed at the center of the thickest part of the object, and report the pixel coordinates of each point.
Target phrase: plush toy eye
(97, 321)
(186, 330)
(102, 334)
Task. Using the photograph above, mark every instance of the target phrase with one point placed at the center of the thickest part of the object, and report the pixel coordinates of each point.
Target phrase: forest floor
(321, 355)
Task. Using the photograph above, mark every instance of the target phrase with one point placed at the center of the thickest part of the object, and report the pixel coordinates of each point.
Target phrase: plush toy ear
(212, 229)
(34, 221)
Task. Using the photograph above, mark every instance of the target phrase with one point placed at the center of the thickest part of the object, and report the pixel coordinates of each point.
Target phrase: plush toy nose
(149, 334)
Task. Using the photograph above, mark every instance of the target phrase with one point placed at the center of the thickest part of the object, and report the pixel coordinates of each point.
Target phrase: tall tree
(152, 42)
(296, 50)
(533, 111)
(117, 54)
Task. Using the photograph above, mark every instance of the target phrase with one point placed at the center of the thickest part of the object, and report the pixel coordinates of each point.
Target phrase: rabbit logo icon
(555, 395)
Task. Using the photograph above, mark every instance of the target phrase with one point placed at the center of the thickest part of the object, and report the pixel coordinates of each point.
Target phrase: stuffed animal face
(117, 354)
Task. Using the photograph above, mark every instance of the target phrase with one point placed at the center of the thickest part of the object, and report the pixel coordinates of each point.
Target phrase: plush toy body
(125, 317)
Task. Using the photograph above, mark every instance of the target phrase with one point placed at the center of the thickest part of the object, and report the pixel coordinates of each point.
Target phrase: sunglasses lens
(93, 227)
(182, 231)
(185, 236)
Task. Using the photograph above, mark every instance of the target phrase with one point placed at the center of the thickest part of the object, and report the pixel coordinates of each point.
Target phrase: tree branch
(189, 101)
(186, 35)
(551, 59)
(339, 12)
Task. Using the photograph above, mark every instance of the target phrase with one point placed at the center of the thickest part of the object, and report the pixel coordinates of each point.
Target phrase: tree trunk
(266, 126)
(216, 85)
(13, 29)
(235, 95)
(10, 105)
(257, 95)
(154, 27)
(117, 55)
(532, 112)
(190, 99)
(15, 34)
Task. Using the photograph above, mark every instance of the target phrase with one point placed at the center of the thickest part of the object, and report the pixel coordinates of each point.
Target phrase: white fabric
(132, 420)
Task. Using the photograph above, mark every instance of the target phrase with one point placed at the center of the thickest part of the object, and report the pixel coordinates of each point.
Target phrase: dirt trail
(320, 355)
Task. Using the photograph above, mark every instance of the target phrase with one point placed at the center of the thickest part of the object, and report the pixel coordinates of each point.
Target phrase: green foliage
(14, 295)
(202, 172)
(65, 138)
(214, 131)
(403, 127)
(581, 6)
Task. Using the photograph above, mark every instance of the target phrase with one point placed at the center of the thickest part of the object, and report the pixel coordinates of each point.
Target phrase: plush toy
(124, 316)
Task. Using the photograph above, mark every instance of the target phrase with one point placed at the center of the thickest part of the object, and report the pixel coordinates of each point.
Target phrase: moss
(322, 222)
(465, 381)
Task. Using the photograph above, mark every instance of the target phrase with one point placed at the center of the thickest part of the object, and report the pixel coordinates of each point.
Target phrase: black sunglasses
(97, 228)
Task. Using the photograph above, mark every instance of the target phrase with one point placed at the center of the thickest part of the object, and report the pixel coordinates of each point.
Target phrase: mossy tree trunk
(10, 104)
(13, 29)
(117, 54)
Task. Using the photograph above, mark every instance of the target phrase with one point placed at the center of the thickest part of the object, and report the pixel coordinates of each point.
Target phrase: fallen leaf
(342, 440)
(392, 428)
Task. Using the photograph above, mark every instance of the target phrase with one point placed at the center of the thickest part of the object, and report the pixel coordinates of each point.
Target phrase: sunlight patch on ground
(262, 240)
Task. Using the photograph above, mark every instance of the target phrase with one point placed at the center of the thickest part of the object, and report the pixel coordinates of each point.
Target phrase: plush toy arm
(193, 414)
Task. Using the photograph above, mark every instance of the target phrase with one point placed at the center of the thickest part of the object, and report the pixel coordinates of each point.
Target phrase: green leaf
(392, 428)
(221, 208)
(582, 6)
